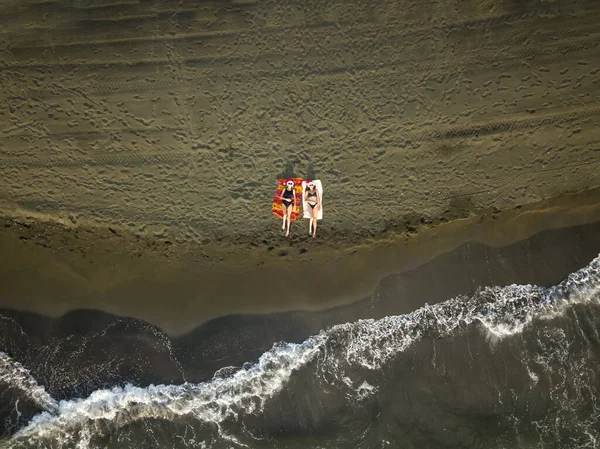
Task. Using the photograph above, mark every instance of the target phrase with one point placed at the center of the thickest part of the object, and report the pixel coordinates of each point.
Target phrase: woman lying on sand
(288, 202)
(314, 202)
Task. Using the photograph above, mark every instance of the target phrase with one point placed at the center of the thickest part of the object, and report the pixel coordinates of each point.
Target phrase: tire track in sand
(508, 125)
(172, 157)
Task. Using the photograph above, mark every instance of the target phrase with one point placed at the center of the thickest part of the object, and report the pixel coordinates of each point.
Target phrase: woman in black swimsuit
(314, 203)
(288, 202)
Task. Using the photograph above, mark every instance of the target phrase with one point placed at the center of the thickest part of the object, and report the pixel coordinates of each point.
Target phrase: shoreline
(51, 269)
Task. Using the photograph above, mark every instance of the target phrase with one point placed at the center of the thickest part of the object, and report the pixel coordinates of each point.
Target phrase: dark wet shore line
(142, 353)
(52, 269)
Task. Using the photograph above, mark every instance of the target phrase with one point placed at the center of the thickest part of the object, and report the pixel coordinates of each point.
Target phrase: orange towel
(277, 208)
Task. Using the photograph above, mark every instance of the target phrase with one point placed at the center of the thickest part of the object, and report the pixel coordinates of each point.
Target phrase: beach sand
(140, 144)
(174, 121)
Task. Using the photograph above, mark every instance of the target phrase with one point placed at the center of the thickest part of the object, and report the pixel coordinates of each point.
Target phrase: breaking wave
(344, 372)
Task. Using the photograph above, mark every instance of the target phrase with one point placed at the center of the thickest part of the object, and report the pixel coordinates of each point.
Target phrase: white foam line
(214, 401)
(14, 374)
(503, 311)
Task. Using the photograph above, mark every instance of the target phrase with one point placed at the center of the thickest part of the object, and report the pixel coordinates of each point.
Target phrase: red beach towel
(277, 207)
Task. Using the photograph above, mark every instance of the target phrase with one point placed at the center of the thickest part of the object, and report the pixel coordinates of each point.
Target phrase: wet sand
(52, 269)
(227, 331)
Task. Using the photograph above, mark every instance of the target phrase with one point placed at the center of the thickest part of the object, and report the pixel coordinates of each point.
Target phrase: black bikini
(311, 195)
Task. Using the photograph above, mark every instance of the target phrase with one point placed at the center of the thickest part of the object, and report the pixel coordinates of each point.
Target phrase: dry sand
(175, 120)
(155, 132)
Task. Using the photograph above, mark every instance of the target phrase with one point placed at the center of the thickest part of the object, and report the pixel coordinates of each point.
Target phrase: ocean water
(510, 367)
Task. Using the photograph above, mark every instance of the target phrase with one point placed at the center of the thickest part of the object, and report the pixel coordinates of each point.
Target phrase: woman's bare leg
(315, 213)
(284, 210)
(310, 225)
(289, 216)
